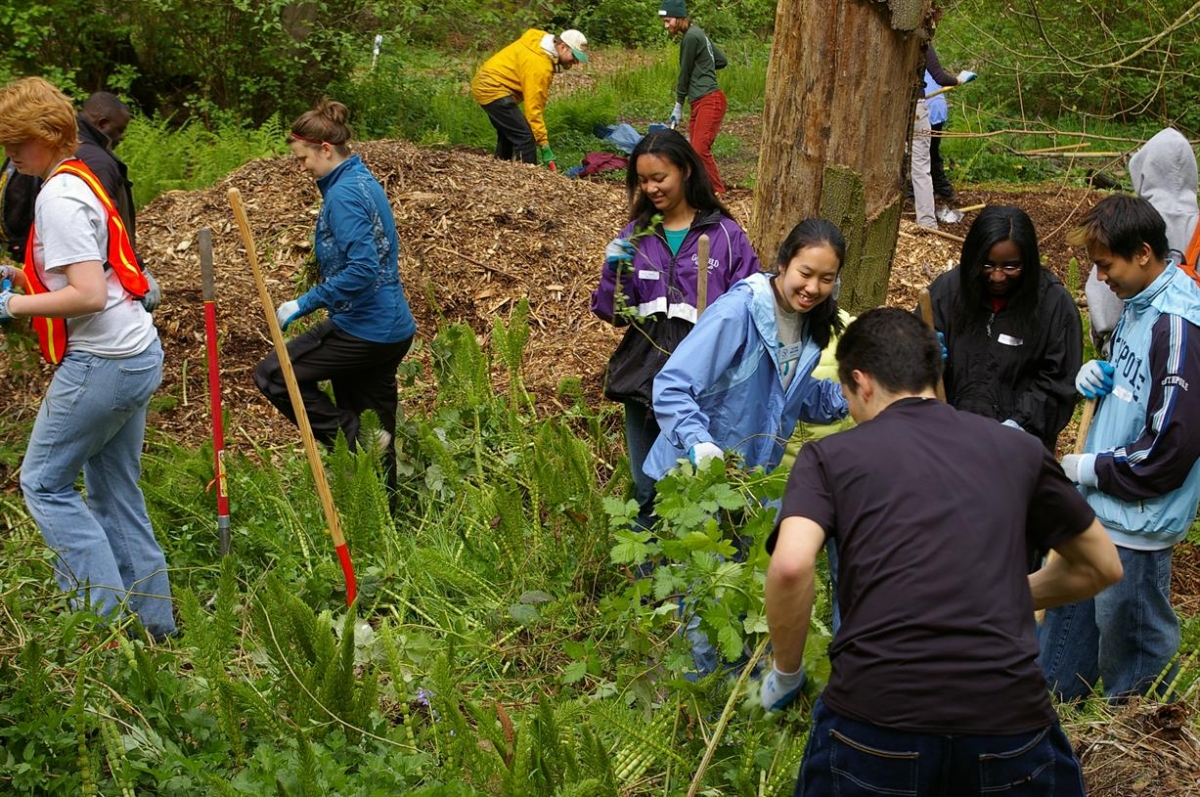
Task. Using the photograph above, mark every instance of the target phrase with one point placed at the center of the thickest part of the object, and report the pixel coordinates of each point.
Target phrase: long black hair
(996, 224)
(824, 321)
(673, 147)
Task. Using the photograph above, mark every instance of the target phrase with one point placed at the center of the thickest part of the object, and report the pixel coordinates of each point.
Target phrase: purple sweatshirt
(665, 284)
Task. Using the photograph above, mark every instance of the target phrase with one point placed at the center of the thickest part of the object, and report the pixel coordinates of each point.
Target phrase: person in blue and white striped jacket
(1139, 471)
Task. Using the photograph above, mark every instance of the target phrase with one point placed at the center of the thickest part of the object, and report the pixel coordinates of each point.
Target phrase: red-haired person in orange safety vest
(82, 288)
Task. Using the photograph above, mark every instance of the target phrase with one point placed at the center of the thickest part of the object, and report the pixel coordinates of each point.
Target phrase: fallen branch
(939, 233)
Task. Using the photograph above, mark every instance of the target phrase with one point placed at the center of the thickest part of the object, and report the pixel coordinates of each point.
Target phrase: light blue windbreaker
(722, 385)
(357, 251)
(1145, 432)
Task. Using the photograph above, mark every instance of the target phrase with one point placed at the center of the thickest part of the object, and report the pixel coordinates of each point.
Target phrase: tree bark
(841, 91)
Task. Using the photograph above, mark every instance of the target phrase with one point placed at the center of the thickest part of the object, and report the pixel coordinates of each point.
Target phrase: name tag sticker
(1009, 340)
(1123, 393)
(789, 353)
(647, 275)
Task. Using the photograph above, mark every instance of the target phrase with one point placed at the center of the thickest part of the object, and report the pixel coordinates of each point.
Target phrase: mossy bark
(841, 89)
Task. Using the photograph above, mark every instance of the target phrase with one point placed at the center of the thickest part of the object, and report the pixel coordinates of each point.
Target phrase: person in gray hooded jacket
(1164, 174)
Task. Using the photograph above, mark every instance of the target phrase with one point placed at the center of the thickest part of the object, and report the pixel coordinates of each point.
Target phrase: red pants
(703, 126)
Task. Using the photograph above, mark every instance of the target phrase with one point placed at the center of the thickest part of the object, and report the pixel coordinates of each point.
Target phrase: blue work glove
(1095, 379)
(618, 255)
(966, 76)
(1081, 469)
(288, 312)
(780, 689)
(703, 453)
(4, 297)
(942, 343)
(153, 297)
(676, 116)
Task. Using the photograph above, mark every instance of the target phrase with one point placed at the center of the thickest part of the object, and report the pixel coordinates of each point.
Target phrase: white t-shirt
(790, 327)
(71, 226)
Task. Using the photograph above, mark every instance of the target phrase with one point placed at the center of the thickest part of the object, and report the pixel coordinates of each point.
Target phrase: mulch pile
(477, 236)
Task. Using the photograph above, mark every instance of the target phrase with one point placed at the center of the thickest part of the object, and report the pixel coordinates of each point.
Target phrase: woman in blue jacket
(369, 327)
(742, 379)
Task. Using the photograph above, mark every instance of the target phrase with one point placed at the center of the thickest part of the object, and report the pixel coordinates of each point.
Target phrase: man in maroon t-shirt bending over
(935, 686)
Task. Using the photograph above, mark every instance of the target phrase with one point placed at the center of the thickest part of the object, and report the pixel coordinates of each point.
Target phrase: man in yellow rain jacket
(522, 72)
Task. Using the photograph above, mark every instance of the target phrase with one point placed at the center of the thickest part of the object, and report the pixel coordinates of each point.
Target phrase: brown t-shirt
(933, 510)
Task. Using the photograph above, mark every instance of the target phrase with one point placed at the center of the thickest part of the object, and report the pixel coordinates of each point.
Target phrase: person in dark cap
(699, 60)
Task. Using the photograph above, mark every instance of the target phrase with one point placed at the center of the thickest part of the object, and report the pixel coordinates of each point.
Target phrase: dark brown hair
(325, 124)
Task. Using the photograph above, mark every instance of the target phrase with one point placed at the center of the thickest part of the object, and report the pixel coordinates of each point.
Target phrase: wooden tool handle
(702, 275)
(926, 303)
(1085, 423)
(289, 377)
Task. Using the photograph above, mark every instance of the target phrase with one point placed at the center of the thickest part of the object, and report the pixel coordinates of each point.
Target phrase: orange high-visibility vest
(1191, 255)
(52, 332)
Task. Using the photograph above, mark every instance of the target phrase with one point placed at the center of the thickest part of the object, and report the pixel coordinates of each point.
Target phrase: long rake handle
(926, 303)
(208, 285)
(289, 377)
(702, 275)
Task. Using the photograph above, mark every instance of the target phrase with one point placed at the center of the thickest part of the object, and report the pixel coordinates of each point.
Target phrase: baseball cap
(576, 41)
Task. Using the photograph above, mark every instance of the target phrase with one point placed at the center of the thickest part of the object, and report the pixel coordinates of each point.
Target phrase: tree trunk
(841, 91)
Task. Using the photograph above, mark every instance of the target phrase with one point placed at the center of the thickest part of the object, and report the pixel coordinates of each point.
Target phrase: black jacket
(18, 192)
(95, 150)
(994, 371)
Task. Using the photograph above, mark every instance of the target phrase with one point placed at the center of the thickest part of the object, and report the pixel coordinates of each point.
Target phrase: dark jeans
(937, 168)
(514, 136)
(641, 430)
(363, 376)
(853, 759)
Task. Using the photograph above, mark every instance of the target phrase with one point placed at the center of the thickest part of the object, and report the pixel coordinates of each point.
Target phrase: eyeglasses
(1008, 271)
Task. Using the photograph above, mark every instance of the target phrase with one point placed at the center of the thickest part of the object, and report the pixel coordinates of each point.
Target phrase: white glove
(288, 312)
(966, 76)
(1081, 469)
(676, 115)
(153, 297)
(1095, 379)
(780, 689)
(703, 453)
(1013, 424)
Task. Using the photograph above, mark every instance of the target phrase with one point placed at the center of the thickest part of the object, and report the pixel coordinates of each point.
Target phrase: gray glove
(288, 312)
(153, 297)
(780, 689)
(676, 116)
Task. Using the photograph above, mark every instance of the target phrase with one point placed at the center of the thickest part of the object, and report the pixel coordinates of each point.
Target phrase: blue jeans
(1125, 636)
(93, 419)
(856, 759)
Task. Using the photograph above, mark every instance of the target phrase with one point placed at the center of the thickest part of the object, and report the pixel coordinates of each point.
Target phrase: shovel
(214, 387)
(289, 376)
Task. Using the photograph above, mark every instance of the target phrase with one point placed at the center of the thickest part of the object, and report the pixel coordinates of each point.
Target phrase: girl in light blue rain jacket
(742, 379)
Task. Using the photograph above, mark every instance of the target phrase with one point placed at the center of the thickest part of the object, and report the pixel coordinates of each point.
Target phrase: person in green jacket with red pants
(699, 60)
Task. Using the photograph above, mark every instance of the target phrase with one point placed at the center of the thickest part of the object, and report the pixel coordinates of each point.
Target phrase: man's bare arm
(1084, 565)
(790, 587)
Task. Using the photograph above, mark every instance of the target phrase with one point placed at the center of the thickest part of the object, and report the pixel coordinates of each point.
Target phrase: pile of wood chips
(477, 235)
